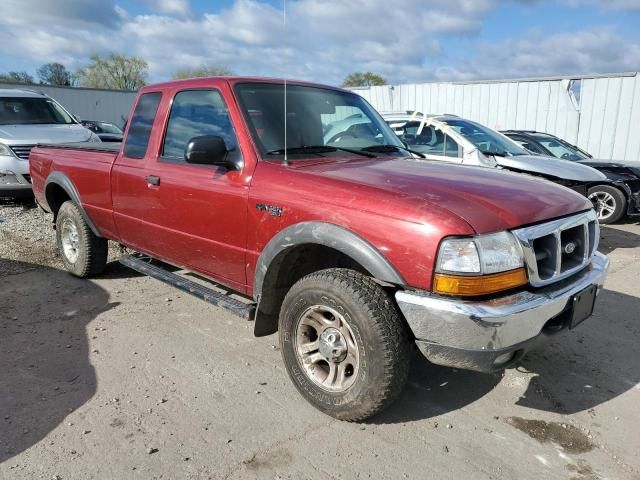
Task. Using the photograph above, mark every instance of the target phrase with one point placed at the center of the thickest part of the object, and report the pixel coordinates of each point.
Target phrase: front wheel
(344, 345)
(609, 202)
(83, 253)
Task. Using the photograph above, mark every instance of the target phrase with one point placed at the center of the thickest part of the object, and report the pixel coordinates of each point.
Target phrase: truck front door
(195, 216)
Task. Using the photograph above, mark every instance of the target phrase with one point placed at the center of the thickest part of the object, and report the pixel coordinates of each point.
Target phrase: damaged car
(614, 200)
(453, 139)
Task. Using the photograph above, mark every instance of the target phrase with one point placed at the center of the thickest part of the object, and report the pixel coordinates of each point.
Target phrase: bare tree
(203, 71)
(118, 72)
(16, 77)
(55, 74)
(363, 79)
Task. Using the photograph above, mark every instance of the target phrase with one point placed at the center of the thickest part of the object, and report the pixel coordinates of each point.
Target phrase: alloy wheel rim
(604, 203)
(70, 240)
(326, 348)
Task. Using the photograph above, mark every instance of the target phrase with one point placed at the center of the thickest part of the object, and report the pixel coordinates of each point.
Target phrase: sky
(405, 41)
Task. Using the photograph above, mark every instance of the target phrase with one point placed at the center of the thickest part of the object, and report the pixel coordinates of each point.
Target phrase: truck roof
(238, 79)
(19, 92)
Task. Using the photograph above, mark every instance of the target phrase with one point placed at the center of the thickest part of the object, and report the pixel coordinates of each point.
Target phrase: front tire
(609, 202)
(83, 253)
(344, 345)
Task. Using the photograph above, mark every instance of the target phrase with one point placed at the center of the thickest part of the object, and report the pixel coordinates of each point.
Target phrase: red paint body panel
(205, 218)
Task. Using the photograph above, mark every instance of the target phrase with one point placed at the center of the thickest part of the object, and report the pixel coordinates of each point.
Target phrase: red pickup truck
(350, 246)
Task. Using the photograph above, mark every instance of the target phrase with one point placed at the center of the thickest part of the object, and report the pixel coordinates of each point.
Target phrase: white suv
(26, 119)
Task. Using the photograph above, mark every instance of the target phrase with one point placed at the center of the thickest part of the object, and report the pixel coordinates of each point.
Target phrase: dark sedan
(108, 132)
(613, 201)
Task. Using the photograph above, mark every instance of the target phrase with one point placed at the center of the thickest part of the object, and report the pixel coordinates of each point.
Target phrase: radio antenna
(284, 22)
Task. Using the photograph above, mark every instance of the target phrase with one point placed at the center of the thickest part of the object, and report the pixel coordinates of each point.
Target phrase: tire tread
(389, 327)
(96, 248)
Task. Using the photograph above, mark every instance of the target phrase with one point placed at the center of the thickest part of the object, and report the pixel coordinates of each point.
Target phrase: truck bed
(87, 167)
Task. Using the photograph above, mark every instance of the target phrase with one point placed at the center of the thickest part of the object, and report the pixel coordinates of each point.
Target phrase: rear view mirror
(209, 150)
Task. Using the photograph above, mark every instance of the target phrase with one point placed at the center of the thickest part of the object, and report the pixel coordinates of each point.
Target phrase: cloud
(65, 31)
(171, 7)
(323, 40)
(608, 4)
(42, 13)
(540, 54)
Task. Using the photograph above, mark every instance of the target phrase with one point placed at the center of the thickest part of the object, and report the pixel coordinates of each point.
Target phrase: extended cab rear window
(141, 123)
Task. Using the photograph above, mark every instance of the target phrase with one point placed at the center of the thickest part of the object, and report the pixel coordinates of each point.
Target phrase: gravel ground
(26, 234)
(124, 377)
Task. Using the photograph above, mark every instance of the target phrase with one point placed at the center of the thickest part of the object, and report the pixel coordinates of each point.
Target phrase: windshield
(486, 140)
(316, 117)
(560, 149)
(32, 111)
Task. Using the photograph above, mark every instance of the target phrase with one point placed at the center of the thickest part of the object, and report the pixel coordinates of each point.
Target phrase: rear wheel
(609, 202)
(344, 345)
(83, 253)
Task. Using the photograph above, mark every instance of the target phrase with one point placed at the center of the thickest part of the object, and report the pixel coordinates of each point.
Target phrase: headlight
(94, 138)
(479, 265)
(4, 150)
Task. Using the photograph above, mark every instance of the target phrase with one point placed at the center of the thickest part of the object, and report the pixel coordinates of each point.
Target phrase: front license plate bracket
(582, 305)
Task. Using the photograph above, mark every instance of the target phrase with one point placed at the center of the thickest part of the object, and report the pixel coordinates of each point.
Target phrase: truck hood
(488, 200)
(32, 134)
(551, 167)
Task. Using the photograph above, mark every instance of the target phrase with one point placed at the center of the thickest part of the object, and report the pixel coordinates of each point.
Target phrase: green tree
(203, 71)
(16, 77)
(118, 72)
(55, 74)
(363, 79)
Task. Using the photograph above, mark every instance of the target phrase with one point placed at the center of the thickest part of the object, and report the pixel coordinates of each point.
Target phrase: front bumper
(493, 334)
(15, 186)
(14, 177)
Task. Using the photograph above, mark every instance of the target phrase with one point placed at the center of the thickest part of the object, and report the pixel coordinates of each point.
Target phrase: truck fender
(61, 180)
(329, 235)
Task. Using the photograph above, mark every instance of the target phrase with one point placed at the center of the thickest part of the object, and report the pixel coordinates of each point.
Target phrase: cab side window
(141, 123)
(195, 113)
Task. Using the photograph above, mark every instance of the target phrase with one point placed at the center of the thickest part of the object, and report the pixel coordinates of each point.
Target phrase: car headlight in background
(479, 265)
(4, 150)
(94, 138)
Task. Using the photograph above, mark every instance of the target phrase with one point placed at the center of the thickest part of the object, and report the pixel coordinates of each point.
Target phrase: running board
(218, 299)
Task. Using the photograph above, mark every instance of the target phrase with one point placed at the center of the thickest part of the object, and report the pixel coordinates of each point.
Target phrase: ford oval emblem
(569, 248)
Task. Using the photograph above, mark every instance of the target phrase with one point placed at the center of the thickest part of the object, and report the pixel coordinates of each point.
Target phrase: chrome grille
(22, 151)
(558, 249)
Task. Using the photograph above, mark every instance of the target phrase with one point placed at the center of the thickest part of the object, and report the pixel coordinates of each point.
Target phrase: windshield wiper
(499, 154)
(319, 149)
(391, 148)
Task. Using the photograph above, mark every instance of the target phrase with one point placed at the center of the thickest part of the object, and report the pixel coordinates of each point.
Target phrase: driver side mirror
(209, 150)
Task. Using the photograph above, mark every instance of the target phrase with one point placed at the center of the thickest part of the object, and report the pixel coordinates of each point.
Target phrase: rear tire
(83, 253)
(609, 202)
(344, 344)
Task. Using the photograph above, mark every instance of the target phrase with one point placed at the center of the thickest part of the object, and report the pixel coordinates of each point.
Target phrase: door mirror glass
(207, 150)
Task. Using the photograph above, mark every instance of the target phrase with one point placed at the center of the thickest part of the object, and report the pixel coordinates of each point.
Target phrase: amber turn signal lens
(467, 286)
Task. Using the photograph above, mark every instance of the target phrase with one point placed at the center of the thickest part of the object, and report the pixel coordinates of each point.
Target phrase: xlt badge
(273, 210)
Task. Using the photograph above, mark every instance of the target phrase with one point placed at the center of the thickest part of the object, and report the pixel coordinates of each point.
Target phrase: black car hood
(595, 163)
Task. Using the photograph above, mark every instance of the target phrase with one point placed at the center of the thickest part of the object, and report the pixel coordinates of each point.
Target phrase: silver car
(450, 138)
(26, 119)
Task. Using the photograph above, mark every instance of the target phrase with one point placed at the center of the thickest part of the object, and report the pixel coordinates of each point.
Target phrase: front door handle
(153, 180)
